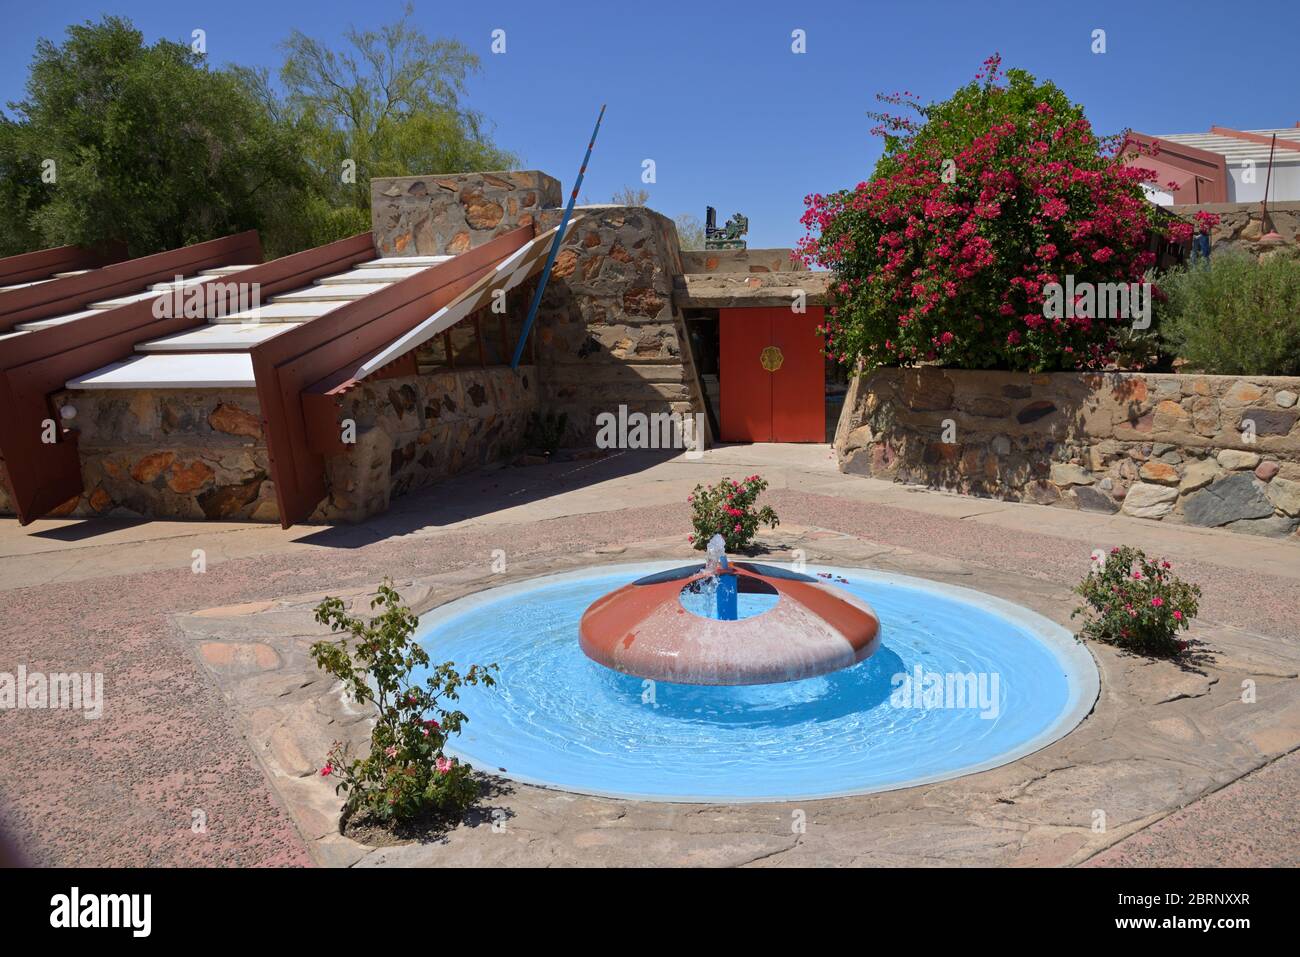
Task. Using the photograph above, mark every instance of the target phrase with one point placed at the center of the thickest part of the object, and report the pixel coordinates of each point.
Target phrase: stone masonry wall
(1158, 446)
(609, 332)
(415, 431)
(1241, 225)
(740, 260)
(192, 454)
(448, 214)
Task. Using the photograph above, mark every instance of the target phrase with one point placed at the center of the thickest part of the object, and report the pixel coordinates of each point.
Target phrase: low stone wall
(1241, 226)
(448, 214)
(415, 431)
(740, 260)
(1213, 451)
(174, 454)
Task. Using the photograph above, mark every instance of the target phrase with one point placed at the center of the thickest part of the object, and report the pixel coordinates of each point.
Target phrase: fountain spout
(724, 579)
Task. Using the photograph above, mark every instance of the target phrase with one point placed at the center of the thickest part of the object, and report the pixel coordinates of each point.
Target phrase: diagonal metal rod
(555, 247)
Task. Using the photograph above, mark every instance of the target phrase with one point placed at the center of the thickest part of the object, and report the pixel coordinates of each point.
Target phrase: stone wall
(414, 431)
(739, 260)
(1241, 225)
(609, 332)
(444, 215)
(1158, 446)
(174, 454)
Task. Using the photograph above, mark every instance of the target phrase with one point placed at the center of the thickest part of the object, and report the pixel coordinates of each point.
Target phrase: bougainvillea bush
(1136, 603)
(406, 775)
(727, 509)
(943, 255)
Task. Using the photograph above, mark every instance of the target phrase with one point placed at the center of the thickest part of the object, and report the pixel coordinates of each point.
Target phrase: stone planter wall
(1241, 226)
(414, 431)
(1175, 448)
(174, 454)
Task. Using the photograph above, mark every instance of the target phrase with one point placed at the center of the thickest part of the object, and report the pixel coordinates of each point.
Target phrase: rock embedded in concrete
(1092, 500)
(1066, 473)
(1285, 495)
(1145, 500)
(1232, 459)
(1230, 499)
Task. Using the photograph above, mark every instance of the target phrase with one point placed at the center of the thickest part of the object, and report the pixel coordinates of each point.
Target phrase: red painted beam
(1208, 170)
(296, 417)
(41, 476)
(30, 267)
(73, 293)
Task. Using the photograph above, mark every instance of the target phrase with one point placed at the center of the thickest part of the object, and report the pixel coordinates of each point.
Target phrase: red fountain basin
(642, 629)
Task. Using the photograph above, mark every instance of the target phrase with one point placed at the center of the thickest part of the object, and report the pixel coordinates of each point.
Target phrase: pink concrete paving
(124, 790)
(1250, 823)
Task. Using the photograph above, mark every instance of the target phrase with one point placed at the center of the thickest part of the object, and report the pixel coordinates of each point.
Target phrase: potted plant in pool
(728, 509)
(406, 779)
(1136, 603)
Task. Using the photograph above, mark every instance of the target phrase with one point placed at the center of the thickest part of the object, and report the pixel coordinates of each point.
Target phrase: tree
(118, 141)
(690, 231)
(957, 248)
(627, 196)
(389, 104)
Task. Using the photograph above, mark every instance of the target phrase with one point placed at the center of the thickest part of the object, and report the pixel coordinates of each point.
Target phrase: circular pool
(962, 682)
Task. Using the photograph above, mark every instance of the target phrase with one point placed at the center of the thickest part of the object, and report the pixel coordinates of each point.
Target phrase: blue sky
(713, 94)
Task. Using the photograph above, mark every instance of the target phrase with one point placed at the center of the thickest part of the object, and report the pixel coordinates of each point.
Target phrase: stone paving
(212, 706)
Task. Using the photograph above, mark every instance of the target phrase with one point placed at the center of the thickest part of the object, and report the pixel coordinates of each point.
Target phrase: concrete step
(378, 274)
(211, 370)
(279, 312)
(223, 337)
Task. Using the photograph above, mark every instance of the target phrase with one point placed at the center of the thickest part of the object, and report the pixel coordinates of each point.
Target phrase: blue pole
(555, 247)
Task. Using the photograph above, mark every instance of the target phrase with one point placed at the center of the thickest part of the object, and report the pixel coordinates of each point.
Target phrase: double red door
(772, 375)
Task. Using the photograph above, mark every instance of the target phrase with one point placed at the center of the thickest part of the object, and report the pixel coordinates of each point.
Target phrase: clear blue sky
(713, 94)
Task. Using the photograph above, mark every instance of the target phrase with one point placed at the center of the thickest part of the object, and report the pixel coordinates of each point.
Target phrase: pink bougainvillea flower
(327, 770)
(1157, 602)
(443, 765)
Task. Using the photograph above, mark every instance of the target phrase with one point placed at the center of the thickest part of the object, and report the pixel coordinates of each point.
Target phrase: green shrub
(406, 774)
(1234, 316)
(1136, 603)
(727, 509)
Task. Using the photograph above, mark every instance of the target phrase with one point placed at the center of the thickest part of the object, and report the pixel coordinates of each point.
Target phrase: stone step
(340, 293)
(210, 370)
(150, 293)
(403, 261)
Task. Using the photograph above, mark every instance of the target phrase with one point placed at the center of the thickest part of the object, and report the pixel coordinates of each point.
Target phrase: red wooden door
(773, 379)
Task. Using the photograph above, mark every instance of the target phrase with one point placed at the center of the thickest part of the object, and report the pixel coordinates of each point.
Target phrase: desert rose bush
(727, 509)
(1136, 603)
(943, 255)
(406, 774)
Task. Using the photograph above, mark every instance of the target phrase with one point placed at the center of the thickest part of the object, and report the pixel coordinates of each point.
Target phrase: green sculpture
(725, 237)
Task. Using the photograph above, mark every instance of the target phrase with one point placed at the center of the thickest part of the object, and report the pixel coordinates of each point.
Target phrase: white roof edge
(506, 275)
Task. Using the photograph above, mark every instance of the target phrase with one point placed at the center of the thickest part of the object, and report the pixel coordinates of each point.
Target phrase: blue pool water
(558, 718)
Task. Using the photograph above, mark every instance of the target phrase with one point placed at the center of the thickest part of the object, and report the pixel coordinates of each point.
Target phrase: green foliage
(150, 147)
(1136, 603)
(727, 509)
(389, 103)
(406, 774)
(1234, 316)
(690, 231)
(545, 431)
(155, 149)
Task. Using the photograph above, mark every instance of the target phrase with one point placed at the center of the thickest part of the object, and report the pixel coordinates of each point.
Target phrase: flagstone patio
(212, 704)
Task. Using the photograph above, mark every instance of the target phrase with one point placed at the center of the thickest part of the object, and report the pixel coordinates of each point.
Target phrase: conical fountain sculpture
(644, 629)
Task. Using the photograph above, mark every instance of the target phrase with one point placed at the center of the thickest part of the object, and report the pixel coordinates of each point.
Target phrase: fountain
(724, 623)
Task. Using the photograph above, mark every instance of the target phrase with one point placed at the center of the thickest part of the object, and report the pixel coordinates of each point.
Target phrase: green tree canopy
(149, 147)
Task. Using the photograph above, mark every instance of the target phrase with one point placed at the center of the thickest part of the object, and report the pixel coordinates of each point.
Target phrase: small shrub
(1234, 316)
(727, 509)
(545, 432)
(1136, 603)
(406, 775)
